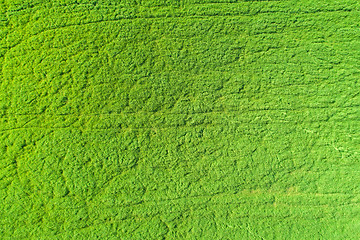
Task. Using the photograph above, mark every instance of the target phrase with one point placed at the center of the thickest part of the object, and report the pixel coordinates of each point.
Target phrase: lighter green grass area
(190, 119)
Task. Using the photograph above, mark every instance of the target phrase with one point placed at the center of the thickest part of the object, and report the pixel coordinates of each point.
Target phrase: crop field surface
(187, 119)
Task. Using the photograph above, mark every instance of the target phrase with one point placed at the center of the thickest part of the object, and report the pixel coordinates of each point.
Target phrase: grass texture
(189, 119)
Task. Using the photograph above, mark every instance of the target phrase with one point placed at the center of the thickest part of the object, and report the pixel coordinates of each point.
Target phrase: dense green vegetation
(188, 119)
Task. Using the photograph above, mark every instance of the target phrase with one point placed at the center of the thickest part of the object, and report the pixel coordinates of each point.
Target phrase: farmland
(190, 119)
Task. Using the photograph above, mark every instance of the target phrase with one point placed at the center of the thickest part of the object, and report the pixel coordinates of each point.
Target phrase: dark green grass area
(190, 119)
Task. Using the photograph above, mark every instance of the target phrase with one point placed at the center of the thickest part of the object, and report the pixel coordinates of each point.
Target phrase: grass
(191, 119)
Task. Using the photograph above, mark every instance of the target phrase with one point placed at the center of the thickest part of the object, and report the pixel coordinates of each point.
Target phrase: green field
(187, 119)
